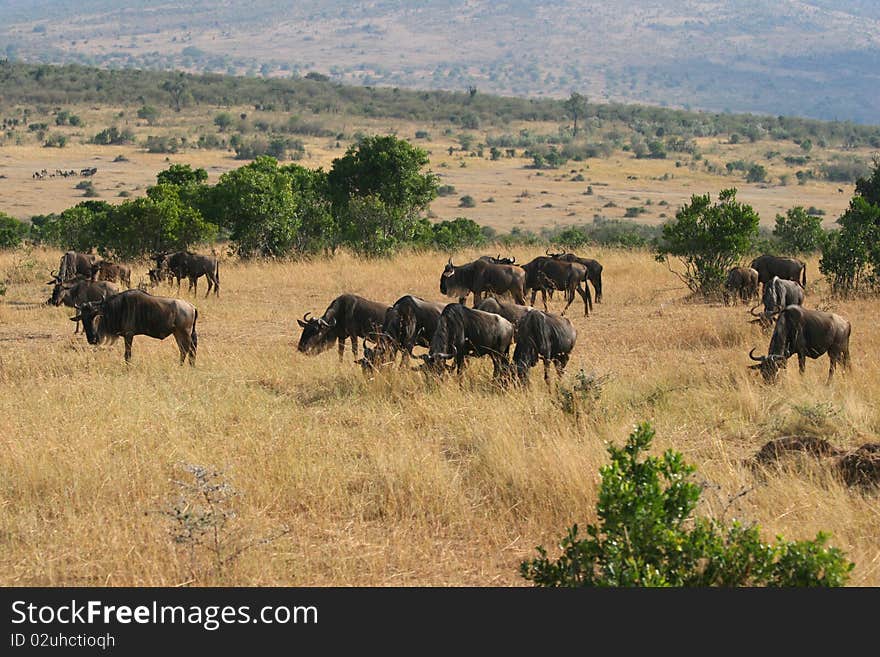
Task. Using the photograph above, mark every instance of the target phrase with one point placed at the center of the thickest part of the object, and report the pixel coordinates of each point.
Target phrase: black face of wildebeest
(88, 313)
(317, 336)
(768, 365)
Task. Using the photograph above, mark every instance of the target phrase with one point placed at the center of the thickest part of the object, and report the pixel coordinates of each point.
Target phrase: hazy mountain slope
(814, 58)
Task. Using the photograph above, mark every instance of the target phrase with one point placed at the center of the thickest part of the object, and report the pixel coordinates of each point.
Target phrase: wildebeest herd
(498, 320)
(87, 283)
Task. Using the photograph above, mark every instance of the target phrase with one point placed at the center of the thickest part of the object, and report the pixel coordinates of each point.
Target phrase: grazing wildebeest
(778, 294)
(110, 271)
(409, 322)
(160, 274)
(75, 264)
(77, 292)
(133, 312)
(789, 269)
(481, 276)
(510, 311)
(548, 337)
(347, 316)
(741, 282)
(805, 333)
(594, 270)
(464, 331)
(185, 264)
(545, 273)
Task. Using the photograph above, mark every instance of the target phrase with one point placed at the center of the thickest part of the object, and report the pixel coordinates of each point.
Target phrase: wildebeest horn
(753, 313)
(547, 251)
(752, 356)
(450, 262)
(306, 317)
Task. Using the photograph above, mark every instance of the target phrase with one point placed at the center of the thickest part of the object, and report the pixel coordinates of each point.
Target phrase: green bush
(709, 239)
(12, 231)
(55, 140)
(799, 231)
(460, 233)
(113, 136)
(647, 536)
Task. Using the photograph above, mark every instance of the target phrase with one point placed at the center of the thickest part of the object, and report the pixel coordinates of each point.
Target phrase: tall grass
(396, 480)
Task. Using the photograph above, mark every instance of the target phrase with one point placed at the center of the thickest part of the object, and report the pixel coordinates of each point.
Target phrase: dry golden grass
(392, 481)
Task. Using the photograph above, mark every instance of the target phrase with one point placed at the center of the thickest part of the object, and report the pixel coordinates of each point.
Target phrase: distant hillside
(815, 58)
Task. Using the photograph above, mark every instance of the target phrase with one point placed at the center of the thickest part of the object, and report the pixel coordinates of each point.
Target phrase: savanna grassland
(507, 192)
(343, 480)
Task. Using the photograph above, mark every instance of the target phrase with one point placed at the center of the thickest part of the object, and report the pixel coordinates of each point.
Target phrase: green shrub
(799, 231)
(164, 144)
(709, 239)
(647, 536)
(55, 140)
(457, 234)
(113, 136)
(12, 231)
(467, 201)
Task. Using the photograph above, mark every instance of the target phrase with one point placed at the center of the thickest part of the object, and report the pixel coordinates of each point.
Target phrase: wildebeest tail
(193, 335)
(804, 277)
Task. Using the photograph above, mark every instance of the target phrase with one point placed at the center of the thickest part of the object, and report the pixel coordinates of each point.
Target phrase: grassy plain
(508, 193)
(392, 481)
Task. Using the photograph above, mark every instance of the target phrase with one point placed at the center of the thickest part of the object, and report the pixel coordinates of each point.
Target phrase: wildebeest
(594, 270)
(347, 316)
(805, 333)
(481, 277)
(789, 269)
(110, 271)
(545, 336)
(75, 264)
(185, 264)
(77, 292)
(464, 331)
(159, 274)
(741, 282)
(545, 273)
(512, 312)
(409, 322)
(778, 294)
(134, 312)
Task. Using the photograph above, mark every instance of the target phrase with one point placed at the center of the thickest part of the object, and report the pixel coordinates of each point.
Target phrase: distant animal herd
(450, 332)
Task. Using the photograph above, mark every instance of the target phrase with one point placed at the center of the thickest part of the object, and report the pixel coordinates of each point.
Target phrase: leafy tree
(160, 221)
(12, 231)
(223, 120)
(378, 185)
(647, 536)
(756, 173)
(576, 107)
(799, 232)
(457, 234)
(708, 238)
(80, 227)
(178, 89)
(149, 114)
(182, 175)
(318, 230)
(256, 203)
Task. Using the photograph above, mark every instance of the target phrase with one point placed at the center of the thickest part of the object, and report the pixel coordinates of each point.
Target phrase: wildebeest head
(768, 365)
(448, 272)
(90, 314)
(318, 334)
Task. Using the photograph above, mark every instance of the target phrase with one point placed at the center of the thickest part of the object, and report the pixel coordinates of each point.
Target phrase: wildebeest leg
(802, 363)
(546, 370)
(519, 296)
(569, 297)
(534, 294)
(588, 301)
(341, 346)
(186, 346)
(128, 340)
(193, 285)
(478, 296)
(544, 298)
(354, 346)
